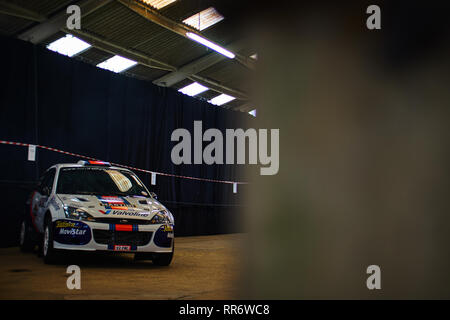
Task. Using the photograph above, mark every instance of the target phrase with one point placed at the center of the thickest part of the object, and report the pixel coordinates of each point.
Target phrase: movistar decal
(73, 232)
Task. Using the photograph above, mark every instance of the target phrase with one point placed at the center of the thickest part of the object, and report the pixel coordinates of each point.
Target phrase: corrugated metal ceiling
(43, 7)
(118, 24)
(10, 25)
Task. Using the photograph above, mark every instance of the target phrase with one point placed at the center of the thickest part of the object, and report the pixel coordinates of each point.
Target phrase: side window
(46, 184)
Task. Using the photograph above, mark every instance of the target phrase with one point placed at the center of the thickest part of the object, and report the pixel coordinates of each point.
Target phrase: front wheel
(163, 259)
(49, 254)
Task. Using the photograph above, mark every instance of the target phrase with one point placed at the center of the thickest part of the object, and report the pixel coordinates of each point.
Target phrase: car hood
(136, 207)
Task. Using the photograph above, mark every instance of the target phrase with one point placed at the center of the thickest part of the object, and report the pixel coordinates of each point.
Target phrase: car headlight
(162, 217)
(77, 213)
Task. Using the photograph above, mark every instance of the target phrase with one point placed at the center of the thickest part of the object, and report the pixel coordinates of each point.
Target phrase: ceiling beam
(51, 26)
(147, 61)
(58, 23)
(245, 107)
(219, 87)
(194, 67)
(154, 16)
(113, 48)
(12, 9)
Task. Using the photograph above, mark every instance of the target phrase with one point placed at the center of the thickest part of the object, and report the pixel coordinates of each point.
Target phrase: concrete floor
(203, 268)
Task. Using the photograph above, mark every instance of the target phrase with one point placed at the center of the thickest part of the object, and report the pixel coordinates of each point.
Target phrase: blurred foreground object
(364, 153)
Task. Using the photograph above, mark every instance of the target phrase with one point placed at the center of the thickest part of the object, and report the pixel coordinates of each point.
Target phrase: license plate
(122, 248)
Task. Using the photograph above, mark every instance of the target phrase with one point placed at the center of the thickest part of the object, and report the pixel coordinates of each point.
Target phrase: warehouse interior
(114, 89)
(73, 105)
(362, 115)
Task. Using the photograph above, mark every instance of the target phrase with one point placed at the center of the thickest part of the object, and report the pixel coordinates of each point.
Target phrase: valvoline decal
(163, 236)
(71, 232)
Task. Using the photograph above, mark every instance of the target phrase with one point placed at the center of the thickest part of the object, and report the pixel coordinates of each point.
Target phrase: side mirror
(153, 195)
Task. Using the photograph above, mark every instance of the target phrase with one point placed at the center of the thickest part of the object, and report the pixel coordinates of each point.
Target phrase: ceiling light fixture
(210, 45)
(221, 99)
(193, 89)
(117, 64)
(68, 45)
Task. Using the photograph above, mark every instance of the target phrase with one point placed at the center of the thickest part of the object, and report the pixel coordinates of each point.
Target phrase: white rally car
(93, 206)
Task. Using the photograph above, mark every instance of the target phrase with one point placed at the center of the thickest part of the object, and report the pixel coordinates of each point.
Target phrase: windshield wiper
(124, 194)
(114, 193)
(121, 193)
(86, 193)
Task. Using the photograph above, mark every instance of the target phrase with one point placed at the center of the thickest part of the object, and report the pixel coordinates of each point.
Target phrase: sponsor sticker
(65, 224)
(118, 208)
(125, 213)
(72, 232)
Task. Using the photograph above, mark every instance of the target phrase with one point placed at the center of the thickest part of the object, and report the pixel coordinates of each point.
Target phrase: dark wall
(52, 100)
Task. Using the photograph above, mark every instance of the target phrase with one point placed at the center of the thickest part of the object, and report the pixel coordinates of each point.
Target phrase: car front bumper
(96, 236)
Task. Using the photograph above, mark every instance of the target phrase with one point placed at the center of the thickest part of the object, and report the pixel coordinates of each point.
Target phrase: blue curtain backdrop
(52, 100)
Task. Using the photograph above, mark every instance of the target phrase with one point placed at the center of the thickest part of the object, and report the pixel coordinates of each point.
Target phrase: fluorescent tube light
(210, 45)
(117, 64)
(68, 45)
(193, 89)
(221, 99)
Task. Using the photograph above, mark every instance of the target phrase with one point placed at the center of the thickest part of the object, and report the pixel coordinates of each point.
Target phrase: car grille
(132, 238)
(122, 221)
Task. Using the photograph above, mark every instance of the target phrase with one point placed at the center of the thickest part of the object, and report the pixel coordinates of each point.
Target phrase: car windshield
(99, 181)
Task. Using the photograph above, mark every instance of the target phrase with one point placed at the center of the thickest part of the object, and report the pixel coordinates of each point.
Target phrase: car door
(42, 196)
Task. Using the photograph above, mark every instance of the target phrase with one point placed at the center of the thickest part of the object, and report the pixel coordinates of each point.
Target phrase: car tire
(163, 259)
(26, 239)
(49, 254)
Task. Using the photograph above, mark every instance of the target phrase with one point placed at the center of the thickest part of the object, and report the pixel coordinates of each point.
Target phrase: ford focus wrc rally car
(93, 206)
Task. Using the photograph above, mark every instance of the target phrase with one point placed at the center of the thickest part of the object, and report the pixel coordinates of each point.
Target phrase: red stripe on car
(124, 227)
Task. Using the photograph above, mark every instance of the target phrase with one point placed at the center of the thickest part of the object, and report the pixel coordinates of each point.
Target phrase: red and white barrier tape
(120, 165)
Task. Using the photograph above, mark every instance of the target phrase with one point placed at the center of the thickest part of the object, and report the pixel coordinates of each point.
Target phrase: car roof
(76, 165)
